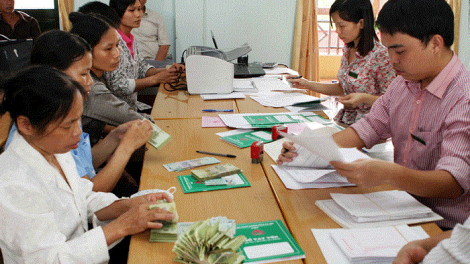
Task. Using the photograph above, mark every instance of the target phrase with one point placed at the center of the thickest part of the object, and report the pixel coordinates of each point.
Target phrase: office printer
(217, 53)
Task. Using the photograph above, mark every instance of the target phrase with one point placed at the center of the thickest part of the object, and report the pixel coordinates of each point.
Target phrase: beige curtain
(455, 5)
(65, 7)
(305, 58)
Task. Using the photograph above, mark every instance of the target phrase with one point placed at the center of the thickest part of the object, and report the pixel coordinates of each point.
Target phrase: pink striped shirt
(430, 130)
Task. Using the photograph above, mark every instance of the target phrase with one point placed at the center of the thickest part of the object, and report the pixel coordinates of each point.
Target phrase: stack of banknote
(159, 137)
(209, 241)
(168, 233)
(214, 172)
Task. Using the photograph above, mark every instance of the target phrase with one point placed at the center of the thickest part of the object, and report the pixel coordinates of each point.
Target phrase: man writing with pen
(425, 111)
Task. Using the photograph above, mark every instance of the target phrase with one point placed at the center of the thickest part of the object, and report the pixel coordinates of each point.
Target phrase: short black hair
(58, 49)
(97, 7)
(90, 27)
(40, 93)
(353, 11)
(120, 6)
(421, 19)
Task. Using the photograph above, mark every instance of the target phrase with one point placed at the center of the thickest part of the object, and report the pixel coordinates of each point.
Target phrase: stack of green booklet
(168, 233)
(206, 242)
(268, 242)
(214, 172)
(159, 137)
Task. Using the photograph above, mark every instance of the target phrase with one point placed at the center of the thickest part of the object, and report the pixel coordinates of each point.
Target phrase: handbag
(14, 55)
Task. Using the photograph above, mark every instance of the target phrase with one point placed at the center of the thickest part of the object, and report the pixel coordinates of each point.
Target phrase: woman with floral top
(365, 70)
(134, 73)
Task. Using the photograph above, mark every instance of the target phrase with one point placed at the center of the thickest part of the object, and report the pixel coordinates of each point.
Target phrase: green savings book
(245, 139)
(268, 242)
(190, 185)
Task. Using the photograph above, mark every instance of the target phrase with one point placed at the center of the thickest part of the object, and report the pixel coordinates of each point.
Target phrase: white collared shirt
(43, 219)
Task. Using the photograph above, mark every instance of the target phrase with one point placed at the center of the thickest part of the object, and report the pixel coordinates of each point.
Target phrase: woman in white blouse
(46, 207)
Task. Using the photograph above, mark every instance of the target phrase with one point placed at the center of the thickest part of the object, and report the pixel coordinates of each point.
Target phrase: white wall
(464, 38)
(267, 25)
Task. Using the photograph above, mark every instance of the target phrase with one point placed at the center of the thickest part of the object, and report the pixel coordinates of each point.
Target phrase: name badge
(353, 74)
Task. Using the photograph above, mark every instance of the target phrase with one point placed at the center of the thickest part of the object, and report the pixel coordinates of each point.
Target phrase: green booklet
(268, 121)
(245, 139)
(268, 242)
(189, 184)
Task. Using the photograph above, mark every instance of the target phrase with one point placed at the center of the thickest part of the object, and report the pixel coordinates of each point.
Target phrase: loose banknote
(214, 172)
(188, 164)
(209, 241)
(168, 233)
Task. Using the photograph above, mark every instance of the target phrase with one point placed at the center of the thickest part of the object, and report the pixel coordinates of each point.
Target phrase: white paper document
(278, 99)
(380, 206)
(371, 245)
(388, 201)
(320, 143)
(238, 120)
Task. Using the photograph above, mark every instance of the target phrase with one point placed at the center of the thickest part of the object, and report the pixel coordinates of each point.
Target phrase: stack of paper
(159, 137)
(365, 245)
(206, 242)
(376, 209)
(168, 233)
(276, 99)
(311, 169)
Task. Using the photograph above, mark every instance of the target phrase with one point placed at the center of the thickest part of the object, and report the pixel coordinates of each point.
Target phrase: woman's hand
(352, 100)
(299, 83)
(137, 134)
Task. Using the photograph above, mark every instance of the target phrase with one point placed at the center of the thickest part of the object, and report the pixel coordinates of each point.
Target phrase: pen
(217, 110)
(216, 154)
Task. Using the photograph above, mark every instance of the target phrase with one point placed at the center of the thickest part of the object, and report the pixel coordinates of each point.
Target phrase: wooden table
(179, 114)
(250, 204)
(301, 213)
(180, 104)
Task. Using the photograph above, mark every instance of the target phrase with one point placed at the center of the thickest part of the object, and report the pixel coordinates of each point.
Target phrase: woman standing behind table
(365, 70)
(102, 108)
(134, 73)
(46, 207)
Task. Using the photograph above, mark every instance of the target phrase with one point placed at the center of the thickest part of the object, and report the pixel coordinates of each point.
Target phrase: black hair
(40, 93)
(353, 11)
(58, 49)
(90, 27)
(104, 10)
(120, 6)
(421, 19)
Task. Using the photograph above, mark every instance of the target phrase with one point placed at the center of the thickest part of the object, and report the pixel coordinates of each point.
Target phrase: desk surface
(250, 204)
(302, 214)
(180, 104)
(180, 117)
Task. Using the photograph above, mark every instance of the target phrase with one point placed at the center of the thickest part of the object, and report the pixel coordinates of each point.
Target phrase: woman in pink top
(365, 70)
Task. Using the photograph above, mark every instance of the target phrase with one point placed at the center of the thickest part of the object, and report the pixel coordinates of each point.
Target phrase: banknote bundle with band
(209, 242)
(215, 172)
(168, 233)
